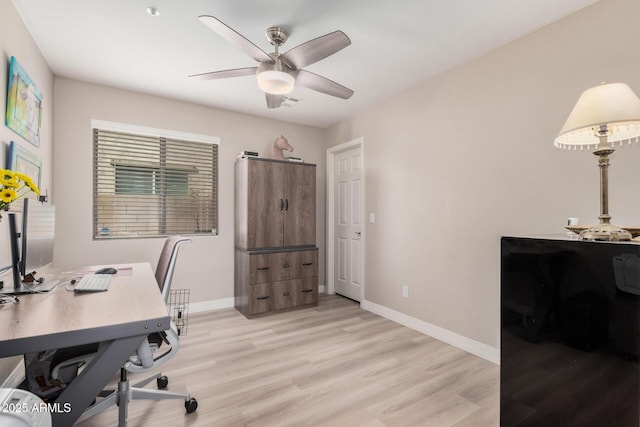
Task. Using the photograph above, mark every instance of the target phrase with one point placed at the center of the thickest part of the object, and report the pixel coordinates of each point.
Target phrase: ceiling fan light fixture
(275, 82)
(277, 75)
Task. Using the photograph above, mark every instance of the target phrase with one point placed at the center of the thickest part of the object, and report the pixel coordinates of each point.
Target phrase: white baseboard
(469, 345)
(216, 304)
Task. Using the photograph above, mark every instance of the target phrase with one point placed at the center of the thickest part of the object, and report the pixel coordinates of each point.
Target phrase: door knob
(358, 233)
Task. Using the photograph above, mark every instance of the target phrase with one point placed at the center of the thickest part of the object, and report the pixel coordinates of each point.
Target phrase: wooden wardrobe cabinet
(275, 204)
(276, 261)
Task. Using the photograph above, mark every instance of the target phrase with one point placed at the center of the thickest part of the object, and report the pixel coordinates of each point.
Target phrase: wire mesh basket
(179, 309)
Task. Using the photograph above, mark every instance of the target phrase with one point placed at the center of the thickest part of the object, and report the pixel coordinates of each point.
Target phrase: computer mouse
(107, 270)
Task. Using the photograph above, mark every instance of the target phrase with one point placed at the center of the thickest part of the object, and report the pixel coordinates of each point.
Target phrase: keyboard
(93, 283)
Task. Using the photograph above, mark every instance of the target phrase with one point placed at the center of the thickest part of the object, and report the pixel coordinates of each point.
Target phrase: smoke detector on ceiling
(153, 11)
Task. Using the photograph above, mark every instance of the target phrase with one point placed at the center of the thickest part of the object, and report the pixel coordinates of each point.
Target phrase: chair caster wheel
(191, 405)
(162, 382)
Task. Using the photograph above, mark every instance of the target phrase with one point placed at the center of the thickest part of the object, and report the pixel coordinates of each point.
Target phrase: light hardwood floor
(334, 365)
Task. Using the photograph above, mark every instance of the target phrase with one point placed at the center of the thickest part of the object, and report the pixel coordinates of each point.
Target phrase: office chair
(147, 356)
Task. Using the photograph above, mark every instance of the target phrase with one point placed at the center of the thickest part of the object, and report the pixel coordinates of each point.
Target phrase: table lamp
(603, 116)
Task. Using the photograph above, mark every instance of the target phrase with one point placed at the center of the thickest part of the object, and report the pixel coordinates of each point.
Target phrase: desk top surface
(61, 318)
(565, 237)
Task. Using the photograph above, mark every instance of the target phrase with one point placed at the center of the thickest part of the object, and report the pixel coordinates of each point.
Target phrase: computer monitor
(31, 248)
(15, 253)
(23, 236)
(38, 232)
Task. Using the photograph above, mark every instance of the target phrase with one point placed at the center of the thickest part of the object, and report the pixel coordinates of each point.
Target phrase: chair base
(127, 392)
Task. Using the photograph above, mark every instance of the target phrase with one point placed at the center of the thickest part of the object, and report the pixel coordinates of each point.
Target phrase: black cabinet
(570, 317)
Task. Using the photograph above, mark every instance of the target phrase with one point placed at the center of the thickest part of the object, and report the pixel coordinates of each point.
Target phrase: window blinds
(147, 186)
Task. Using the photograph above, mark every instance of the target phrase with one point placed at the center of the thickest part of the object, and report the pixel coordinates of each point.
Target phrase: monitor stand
(34, 287)
(14, 284)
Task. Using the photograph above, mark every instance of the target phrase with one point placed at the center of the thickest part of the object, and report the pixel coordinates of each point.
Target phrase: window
(149, 182)
(134, 180)
(145, 179)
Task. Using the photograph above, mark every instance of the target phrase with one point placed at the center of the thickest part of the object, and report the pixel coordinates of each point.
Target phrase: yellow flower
(8, 195)
(8, 182)
(20, 175)
(8, 179)
(29, 183)
(11, 185)
(7, 174)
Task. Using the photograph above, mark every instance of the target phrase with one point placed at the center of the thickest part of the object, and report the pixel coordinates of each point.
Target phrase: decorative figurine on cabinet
(279, 145)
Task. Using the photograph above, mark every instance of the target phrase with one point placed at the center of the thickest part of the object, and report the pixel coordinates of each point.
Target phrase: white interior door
(347, 223)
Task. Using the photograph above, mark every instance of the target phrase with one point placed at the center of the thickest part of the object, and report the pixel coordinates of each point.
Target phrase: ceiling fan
(278, 73)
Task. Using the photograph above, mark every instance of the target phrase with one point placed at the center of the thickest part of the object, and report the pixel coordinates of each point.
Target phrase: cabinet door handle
(281, 204)
(262, 298)
(306, 264)
(286, 294)
(285, 265)
(286, 204)
(262, 268)
(307, 290)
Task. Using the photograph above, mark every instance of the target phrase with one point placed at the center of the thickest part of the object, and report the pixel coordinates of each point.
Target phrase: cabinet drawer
(283, 265)
(292, 293)
(306, 264)
(260, 298)
(260, 269)
(284, 294)
(306, 291)
(273, 267)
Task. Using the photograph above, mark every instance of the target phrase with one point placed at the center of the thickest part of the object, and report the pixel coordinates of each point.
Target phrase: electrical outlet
(405, 291)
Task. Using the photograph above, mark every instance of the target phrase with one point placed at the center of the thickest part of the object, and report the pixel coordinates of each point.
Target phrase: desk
(120, 318)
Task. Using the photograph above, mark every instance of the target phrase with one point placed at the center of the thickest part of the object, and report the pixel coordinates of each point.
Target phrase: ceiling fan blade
(235, 38)
(237, 72)
(315, 50)
(322, 84)
(274, 101)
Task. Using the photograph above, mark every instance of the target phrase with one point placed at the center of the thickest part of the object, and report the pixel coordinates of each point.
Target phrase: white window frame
(102, 232)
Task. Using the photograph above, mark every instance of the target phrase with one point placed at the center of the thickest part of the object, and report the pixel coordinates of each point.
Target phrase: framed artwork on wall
(24, 161)
(24, 104)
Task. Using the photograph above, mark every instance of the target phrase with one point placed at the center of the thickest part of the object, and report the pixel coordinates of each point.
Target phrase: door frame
(330, 211)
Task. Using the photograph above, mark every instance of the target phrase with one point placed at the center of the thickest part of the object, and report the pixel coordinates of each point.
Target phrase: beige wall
(456, 162)
(206, 266)
(16, 41)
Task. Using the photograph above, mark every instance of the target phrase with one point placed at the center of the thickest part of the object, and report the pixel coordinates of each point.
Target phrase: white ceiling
(395, 44)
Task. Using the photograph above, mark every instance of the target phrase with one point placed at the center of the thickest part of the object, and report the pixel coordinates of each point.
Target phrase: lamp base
(605, 232)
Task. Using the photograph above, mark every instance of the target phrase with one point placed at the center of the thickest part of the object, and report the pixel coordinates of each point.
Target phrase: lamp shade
(275, 82)
(611, 104)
